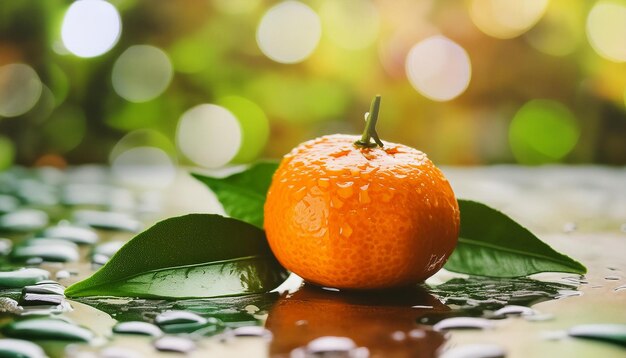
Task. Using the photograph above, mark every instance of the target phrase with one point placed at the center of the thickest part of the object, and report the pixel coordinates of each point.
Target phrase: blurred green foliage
(540, 97)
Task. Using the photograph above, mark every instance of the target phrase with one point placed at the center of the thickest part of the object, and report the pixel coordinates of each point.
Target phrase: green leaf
(196, 255)
(492, 244)
(243, 194)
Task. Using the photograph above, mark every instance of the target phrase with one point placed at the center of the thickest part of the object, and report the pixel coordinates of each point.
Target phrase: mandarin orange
(346, 213)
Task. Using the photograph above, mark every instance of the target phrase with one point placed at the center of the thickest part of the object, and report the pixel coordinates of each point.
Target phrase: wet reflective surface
(385, 323)
(451, 315)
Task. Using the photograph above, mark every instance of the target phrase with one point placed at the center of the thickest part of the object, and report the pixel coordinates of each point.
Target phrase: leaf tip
(73, 290)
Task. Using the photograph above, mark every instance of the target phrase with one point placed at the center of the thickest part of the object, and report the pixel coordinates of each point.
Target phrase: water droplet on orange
(345, 230)
(323, 182)
(364, 197)
(336, 203)
(344, 190)
(299, 194)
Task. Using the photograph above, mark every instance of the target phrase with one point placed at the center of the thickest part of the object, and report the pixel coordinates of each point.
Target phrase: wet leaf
(492, 244)
(196, 255)
(476, 295)
(47, 328)
(243, 194)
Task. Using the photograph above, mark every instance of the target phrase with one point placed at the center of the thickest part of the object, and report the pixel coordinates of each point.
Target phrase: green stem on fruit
(370, 127)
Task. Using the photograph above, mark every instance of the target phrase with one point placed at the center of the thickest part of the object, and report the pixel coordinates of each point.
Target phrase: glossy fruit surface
(346, 213)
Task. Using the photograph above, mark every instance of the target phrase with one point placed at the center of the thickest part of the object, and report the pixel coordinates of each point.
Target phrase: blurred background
(212, 82)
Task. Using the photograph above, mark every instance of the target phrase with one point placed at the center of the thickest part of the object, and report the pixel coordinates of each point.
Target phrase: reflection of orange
(360, 217)
(383, 322)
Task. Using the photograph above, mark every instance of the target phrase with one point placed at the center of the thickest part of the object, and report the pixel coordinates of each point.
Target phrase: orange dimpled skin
(348, 216)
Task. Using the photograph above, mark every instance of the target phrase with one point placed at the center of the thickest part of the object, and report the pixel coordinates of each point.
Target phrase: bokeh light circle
(209, 135)
(350, 24)
(505, 19)
(20, 89)
(559, 32)
(90, 28)
(145, 167)
(289, 32)
(141, 73)
(606, 30)
(438, 68)
(142, 138)
(543, 131)
(255, 127)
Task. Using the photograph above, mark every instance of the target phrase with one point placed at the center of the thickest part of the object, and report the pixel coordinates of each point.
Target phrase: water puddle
(384, 323)
(449, 319)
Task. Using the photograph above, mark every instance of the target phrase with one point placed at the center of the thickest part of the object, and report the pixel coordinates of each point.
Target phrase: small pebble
(185, 322)
(252, 331)
(108, 248)
(463, 323)
(37, 193)
(99, 259)
(513, 310)
(138, 327)
(475, 351)
(50, 251)
(19, 348)
(108, 220)
(8, 203)
(48, 329)
(75, 194)
(613, 333)
(33, 261)
(46, 310)
(62, 274)
(42, 241)
(5, 246)
(177, 317)
(37, 299)
(45, 287)
(73, 233)
(174, 344)
(9, 305)
(22, 277)
(24, 220)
